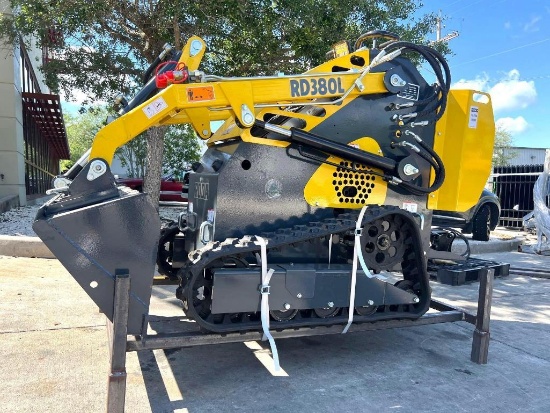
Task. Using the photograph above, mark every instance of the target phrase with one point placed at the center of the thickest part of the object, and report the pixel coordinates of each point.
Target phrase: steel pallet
(120, 343)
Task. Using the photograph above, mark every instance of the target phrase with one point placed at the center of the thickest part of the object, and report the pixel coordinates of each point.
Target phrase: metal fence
(514, 187)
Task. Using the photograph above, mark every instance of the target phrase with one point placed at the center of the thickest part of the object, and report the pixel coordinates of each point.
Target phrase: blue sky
(503, 48)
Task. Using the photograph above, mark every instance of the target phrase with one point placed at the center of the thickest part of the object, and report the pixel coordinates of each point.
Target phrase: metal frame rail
(120, 343)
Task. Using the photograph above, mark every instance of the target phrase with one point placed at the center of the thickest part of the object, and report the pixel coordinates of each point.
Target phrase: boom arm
(203, 102)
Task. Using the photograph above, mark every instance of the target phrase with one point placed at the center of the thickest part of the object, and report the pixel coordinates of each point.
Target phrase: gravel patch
(18, 221)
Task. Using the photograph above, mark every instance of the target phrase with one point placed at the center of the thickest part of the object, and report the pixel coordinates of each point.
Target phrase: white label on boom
(155, 107)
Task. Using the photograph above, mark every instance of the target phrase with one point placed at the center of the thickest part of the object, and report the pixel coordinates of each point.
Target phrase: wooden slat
(45, 110)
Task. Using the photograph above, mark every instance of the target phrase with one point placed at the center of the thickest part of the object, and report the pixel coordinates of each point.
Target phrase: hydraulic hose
(149, 71)
(150, 88)
(78, 166)
(331, 147)
(166, 49)
(434, 160)
(441, 70)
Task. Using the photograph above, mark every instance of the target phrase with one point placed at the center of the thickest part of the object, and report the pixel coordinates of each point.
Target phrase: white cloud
(532, 26)
(513, 125)
(507, 25)
(509, 94)
(480, 83)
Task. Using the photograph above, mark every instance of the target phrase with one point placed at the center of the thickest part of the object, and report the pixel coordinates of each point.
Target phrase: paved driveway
(55, 358)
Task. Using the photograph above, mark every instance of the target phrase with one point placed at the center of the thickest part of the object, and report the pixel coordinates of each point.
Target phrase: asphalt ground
(55, 356)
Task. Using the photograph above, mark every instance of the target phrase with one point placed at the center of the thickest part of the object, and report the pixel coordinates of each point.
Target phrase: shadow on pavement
(423, 368)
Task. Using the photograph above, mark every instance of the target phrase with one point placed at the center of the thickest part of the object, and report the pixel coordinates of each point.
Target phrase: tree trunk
(153, 170)
(177, 34)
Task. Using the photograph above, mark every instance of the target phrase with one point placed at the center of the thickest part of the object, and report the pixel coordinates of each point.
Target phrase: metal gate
(514, 187)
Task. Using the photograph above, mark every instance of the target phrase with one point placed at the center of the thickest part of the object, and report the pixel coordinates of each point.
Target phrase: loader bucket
(98, 229)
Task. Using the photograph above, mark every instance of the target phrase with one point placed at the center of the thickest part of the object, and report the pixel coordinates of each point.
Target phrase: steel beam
(480, 342)
(118, 334)
(191, 339)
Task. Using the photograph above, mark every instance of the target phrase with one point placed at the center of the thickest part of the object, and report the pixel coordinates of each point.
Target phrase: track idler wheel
(405, 285)
(326, 312)
(366, 310)
(283, 315)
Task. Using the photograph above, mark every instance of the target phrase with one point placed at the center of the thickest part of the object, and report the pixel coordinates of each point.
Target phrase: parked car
(185, 187)
(170, 187)
(479, 220)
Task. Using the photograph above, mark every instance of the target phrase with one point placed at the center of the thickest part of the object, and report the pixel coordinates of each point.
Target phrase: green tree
(101, 47)
(81, 130)
(502, 153)
(133, 156)
(181, 148)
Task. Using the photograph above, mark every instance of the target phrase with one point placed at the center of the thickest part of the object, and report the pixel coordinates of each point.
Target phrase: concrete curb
(33, 247)
(19, 246)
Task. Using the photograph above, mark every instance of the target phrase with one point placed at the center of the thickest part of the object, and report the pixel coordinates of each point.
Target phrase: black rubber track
(413, 268)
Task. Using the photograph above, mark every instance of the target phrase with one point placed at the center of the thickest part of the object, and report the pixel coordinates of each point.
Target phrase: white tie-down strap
(264, 308)
(356, 254)
(329, 250)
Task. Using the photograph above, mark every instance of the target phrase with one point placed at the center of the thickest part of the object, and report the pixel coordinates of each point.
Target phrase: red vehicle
(170, 187)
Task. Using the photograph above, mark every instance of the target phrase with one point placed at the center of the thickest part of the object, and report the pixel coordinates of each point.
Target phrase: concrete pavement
(55, 357)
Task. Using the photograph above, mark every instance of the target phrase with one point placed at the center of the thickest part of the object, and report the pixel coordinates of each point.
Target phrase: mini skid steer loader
(315, 186)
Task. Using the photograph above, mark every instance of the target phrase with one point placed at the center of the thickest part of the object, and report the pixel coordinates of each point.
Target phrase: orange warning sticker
(199, 94)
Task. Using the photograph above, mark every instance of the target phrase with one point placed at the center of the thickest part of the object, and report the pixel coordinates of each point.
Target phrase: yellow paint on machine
(199, 104)
(464, 140)
(335, 187)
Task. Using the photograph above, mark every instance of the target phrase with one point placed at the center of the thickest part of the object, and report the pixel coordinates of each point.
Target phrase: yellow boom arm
(240, 98)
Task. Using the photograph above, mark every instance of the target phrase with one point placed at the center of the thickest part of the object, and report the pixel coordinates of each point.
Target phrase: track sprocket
(382, 242)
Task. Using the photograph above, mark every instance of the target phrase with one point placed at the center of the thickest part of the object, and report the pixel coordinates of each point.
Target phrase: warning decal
(474, 110)
(200, 94)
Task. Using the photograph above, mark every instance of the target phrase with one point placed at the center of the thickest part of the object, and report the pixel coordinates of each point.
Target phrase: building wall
(117, 168)
(12, 155)
(525, 156)
(35, 56)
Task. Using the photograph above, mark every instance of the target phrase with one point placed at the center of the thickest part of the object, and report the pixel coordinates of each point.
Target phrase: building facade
(32, 134)
(518, 155)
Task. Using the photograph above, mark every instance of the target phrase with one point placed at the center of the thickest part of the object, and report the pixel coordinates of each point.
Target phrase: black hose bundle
(435, 161)
(433, 111)
(441, 71)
